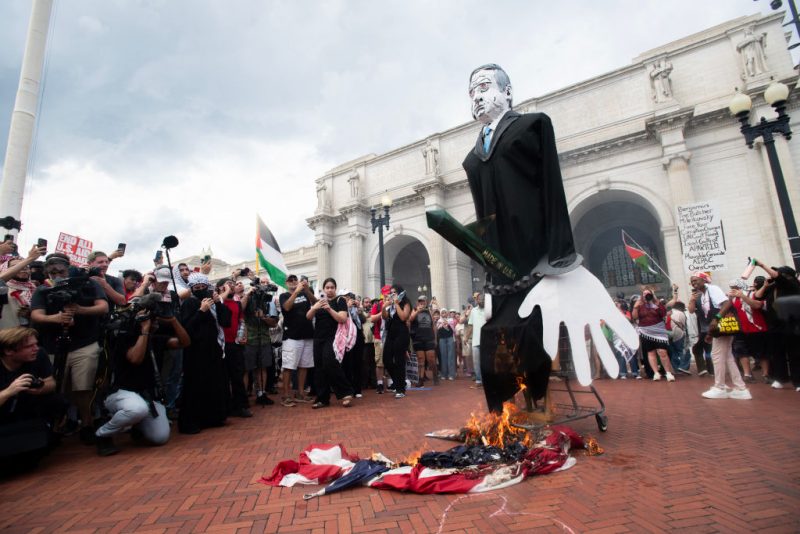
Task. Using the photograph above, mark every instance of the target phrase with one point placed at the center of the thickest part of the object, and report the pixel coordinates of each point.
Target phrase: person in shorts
(298, 338)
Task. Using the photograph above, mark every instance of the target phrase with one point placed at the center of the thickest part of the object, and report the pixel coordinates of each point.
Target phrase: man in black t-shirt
(298, 337)
(80, 322)
(26, 399)
(136, 400)
(112, 287)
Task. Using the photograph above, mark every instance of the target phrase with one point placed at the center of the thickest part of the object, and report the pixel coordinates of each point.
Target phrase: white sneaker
(741, 394)
(670, 377)
(656, 377)
(702, 373)
(716, 393)
(777, 385)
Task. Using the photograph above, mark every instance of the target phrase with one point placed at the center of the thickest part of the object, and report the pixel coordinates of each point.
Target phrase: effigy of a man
(516, 185)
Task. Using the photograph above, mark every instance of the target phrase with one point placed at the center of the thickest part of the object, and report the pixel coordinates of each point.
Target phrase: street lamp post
(775, 95)
(378, 223)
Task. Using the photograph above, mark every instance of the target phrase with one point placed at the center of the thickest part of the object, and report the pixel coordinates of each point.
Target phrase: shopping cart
(564, 392)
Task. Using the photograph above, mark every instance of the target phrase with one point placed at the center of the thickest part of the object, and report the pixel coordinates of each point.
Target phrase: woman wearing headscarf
(205, 388)
(396, 314)
(652, 328)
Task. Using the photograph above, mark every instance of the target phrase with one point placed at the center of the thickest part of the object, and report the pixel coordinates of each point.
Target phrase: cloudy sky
(187, 117)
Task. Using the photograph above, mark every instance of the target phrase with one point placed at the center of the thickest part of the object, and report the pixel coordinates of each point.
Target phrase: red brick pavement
(673, 462)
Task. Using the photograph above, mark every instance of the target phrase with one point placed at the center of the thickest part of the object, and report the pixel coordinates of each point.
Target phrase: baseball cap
(422, 297)
(162, 274)
(291, 278)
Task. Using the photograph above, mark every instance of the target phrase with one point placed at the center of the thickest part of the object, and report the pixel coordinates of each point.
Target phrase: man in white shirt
(477, 318)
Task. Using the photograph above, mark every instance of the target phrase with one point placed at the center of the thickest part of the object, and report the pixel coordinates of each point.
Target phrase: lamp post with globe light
(776, 95)
(377, 224)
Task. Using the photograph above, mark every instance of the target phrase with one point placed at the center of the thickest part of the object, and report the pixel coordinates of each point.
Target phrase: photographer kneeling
(137, 399)
(27, 406)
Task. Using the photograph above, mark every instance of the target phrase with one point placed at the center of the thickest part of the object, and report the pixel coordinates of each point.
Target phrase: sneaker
(303, 398)
(317, 405)
(359, 395)
(451, 378)
(622, 377)
(670, 377)
(289, 403)
(766, 379)
(685, 371)
(347, 401)
(777, 385)
(749, 379)
(638, 377)
(741, 394)
(797, 388)
(716, 393)
(379, 389)
(656, 377)
(399, 395)
(702, 373)
(105, 446)
(264, 400)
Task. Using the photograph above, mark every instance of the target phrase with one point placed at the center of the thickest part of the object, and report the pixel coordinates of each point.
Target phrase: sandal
(347, 401)
(318, 405)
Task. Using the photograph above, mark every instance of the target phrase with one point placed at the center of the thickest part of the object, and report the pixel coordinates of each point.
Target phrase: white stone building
(634, 143)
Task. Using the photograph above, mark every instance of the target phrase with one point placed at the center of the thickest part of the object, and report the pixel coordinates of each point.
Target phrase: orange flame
(497, 430)
(521, 383)
(413, 458)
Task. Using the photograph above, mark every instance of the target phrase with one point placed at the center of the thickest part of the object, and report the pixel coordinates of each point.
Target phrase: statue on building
(515, 180)
(322, 197)
(751, 50)
(659, 77)
(431, 155)
(354, 182)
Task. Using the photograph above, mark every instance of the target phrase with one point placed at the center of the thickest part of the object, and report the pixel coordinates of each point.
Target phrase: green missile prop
(467, 240)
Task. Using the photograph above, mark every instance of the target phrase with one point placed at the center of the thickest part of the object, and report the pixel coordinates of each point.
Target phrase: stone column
(680, 180)
(672, 250)
(357, 262)
(323, 259)
(438, 259)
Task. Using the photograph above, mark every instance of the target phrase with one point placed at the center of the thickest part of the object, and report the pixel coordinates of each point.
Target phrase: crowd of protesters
(88, 353)
(765, 336)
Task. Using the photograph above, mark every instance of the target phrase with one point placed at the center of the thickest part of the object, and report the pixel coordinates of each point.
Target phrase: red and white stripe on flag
(318, 464)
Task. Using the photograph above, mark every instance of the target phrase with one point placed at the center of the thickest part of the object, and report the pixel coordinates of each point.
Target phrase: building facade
(634, 144)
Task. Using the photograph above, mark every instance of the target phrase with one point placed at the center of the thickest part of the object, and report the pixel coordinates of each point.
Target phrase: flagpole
(256, 246)
(640, 247)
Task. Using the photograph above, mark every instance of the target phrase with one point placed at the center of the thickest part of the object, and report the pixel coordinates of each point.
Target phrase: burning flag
(496, 454)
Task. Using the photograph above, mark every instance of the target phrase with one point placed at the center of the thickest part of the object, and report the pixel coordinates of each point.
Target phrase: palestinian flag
(639, 256)
(268, 254)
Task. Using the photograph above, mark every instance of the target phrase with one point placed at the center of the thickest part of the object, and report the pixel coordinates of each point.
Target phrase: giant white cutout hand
(578, 299)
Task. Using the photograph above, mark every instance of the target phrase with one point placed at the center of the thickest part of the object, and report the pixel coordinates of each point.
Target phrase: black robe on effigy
(519, 183)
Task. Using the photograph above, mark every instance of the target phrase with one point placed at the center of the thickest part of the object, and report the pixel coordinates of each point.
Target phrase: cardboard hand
(578, 299)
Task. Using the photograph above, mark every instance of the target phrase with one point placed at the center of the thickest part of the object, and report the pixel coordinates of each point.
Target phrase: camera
(261, 295)
(66, 291)
(36, 383)
(649, 297)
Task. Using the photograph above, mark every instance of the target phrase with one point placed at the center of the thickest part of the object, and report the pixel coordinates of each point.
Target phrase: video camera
(68, 291)
(261, 295)
(124, 320)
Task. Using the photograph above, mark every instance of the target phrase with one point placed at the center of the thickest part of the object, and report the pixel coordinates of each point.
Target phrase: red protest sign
(76, 248)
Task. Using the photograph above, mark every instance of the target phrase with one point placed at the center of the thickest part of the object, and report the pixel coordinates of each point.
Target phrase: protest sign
(76, 248)
(702, 237)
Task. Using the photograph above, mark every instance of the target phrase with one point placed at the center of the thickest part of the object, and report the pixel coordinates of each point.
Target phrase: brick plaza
(673, 462)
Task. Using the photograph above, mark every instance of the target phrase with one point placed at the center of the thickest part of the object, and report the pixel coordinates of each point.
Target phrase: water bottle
(751, 266)
(241, 334)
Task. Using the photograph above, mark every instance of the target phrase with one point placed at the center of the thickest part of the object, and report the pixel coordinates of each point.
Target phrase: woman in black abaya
(204, 395)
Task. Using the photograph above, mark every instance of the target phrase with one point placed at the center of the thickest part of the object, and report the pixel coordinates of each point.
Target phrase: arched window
(620, 271)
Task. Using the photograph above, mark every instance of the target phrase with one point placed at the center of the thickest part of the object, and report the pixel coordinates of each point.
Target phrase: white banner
(702, 237)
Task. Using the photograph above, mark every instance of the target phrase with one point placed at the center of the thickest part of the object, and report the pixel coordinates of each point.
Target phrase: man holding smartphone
(298, 338)
(111, 285)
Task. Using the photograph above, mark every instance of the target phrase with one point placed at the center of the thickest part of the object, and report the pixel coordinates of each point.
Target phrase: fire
(413, 458)
(497, 430)
(521, 383)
